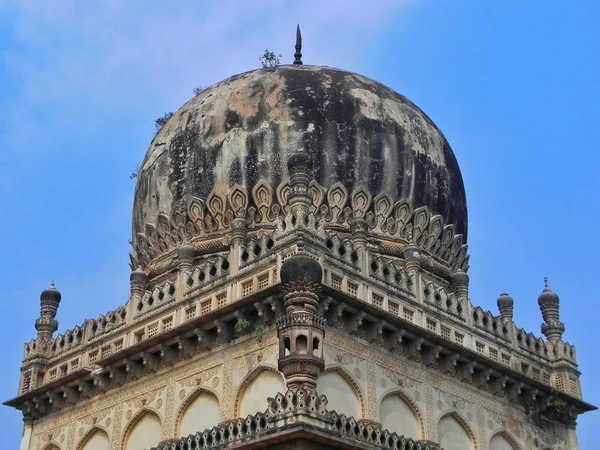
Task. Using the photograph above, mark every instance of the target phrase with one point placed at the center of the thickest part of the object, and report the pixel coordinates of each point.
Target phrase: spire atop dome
(298, 54)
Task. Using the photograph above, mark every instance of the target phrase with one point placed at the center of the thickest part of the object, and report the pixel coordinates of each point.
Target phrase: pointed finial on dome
(298, 54)
(545, 282)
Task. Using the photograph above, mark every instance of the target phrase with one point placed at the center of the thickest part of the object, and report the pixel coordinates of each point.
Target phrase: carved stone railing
(393, 275)
(486, 322)
(157, 298)
(75, 338)
(294, 409)
(439, 298)
(207, 271)
(256, 248)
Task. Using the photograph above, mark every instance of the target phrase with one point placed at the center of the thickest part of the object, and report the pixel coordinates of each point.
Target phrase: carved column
(186, 255)
(299, 199)
(301, 330)
(412, 258)
(137, 283)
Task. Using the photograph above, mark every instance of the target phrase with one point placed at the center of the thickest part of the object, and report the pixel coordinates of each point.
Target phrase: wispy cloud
(72, 52)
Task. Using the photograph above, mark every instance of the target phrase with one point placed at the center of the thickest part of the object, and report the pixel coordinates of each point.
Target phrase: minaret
(46, 324)
(301, 329)
(552, 327)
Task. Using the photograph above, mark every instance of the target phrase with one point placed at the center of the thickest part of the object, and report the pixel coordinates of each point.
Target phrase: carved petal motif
(318, 194)
(283, 191)
(238, 200)
(361, 201)
(337, 198)
(196, 211)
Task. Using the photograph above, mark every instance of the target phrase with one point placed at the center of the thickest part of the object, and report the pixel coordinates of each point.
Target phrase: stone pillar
(460, 283)
(301, 330)
(186, 254)
(26, 438)
(299, 199)
(412, 258)
(137, 283)
(359, 229)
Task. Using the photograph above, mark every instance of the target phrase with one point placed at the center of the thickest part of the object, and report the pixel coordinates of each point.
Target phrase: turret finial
(298, 54)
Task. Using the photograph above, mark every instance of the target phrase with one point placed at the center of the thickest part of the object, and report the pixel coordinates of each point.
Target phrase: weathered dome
(242, 130)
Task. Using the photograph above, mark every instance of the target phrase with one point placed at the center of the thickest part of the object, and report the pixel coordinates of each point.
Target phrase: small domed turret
(301, 330)
(301, 269)
(505, 306)
(46, 324)
(50, 296)
(548, 301)
(137, 281)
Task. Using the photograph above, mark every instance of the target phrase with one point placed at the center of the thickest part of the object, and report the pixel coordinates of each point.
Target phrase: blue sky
(512, 84)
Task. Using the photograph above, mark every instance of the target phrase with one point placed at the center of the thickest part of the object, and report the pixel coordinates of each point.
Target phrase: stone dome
(357, 132)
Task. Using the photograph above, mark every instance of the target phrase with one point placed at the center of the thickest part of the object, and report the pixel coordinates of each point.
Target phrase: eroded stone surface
(356, 131)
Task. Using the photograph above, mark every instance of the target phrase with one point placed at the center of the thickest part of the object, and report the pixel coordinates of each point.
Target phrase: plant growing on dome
(269, 59)
(198, 90)
(135, 173)
(162, 120)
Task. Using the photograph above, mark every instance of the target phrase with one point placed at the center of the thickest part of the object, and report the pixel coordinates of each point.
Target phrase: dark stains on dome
(355, 130)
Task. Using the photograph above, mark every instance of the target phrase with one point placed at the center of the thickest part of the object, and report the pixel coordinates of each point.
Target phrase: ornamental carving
(332, 208)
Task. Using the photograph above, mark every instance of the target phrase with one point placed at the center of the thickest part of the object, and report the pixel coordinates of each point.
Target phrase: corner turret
(552, 327)
(301, 329)
(47, 324)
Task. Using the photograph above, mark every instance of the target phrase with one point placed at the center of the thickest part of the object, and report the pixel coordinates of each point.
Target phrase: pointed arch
(466, 428)
(251, 378)
(51, 446)
(134, 422)
(342, 372)
(411, 405)
(87, 438)
(512, 441)
(188, 402)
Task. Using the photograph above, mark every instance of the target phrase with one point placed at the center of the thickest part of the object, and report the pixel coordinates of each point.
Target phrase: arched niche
(396, 413)
(502, 441)
(260, 384)
(455, 434)
(342, 392)
(95, 439)
(144, 432)
(200, 412)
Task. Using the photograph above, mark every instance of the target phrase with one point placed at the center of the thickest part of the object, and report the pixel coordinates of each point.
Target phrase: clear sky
(512, 84)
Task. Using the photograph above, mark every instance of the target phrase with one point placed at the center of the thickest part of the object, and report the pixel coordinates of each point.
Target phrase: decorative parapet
(439, 298)
(159, 297)
(392, 274)
(486, 322)
(301, 408)
(207, 271)
(89, 331)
